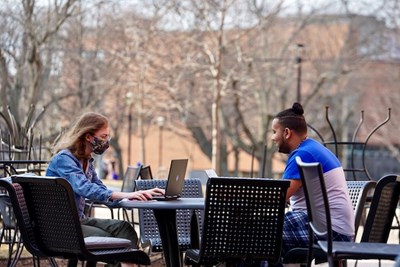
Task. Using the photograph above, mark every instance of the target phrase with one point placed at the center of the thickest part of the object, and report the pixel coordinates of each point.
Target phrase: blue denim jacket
(85, 185)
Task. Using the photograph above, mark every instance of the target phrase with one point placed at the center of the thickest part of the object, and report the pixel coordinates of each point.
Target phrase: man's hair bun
(298, 108)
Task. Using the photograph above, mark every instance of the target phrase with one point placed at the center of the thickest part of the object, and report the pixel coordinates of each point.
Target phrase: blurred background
(202, 79)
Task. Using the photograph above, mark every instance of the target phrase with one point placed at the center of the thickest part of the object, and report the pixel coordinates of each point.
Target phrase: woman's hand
(141, 195)
(156, 191)
(144, 195)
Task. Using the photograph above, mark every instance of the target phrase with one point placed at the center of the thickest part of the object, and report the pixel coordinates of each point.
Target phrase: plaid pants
(295, 233)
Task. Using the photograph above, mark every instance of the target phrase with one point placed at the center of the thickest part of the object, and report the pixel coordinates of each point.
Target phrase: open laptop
(130, 176)
(176, 179)
(145, 173)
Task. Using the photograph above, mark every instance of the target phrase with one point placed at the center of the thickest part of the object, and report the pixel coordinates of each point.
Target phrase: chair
(377, 227)
(243, 221)
(23, 220)
(149, 234)
(358, 191)
(9, 232)
(54, 228)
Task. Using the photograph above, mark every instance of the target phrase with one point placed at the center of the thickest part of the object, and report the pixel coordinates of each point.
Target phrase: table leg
(194, 231)
(166, 220)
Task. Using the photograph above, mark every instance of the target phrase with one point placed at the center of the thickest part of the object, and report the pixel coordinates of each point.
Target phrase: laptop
(145, 173)
(131, 175)
(175, 181)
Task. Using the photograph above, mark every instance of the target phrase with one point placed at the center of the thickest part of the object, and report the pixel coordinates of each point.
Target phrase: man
(290, 135)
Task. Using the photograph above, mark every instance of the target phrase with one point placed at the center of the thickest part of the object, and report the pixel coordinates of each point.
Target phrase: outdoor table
(165, 214)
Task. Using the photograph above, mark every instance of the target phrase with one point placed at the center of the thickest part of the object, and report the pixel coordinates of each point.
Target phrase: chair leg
(112, 213)
(91, 264)
(334, 262)
(52, 262)
(36, 261)
(18, 251)
(73, 262)
(14, 240)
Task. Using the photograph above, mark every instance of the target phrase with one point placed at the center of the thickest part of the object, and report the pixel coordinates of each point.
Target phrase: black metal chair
(52, 219)
(358, 191)
(23, 222)
(149, 233)
(377, 227)
(9, 232)
(243, 222)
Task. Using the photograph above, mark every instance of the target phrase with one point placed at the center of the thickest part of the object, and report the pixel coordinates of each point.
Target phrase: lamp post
(129, 100)
(160, 122)
(299, 60)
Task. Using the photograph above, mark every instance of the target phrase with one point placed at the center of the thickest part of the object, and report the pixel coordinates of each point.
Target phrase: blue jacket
(85, 185)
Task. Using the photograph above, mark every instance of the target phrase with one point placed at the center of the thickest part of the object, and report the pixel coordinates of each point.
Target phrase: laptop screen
(176, 177)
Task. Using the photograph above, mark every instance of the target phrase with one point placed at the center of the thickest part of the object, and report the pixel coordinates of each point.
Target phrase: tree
(26, 57)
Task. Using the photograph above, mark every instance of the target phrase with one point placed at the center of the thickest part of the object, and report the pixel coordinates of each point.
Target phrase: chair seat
(124, 254)
(299, 255)
(364, 250)
(101, 242)
(193, 257)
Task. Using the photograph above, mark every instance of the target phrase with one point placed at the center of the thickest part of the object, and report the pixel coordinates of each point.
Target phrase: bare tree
(26, 56)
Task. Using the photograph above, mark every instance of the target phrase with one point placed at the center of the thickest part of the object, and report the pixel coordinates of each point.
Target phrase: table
(165, 214)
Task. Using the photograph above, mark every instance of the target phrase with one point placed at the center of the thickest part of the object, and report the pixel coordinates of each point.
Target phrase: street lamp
(129, 100)
(160, 122)
(299, 60)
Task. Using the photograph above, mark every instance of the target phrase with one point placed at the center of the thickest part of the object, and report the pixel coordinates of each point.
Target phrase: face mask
(99, 146)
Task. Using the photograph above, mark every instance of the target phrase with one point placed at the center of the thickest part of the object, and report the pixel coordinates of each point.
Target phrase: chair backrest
(382, 210)
(22, 217)
(131, 175)
(149, 233)
(53, 214)
(313, 183)
(358, 191)
(243, 219)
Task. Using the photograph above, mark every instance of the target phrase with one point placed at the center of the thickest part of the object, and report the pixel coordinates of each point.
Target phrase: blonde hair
(74, 138)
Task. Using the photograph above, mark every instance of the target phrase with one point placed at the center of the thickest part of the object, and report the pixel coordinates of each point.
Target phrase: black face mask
(99, 146)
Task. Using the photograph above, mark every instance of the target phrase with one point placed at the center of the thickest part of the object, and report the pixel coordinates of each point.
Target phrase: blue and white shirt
(342, 214)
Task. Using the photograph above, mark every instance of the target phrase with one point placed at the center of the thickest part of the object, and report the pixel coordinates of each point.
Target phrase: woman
(73, 161)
